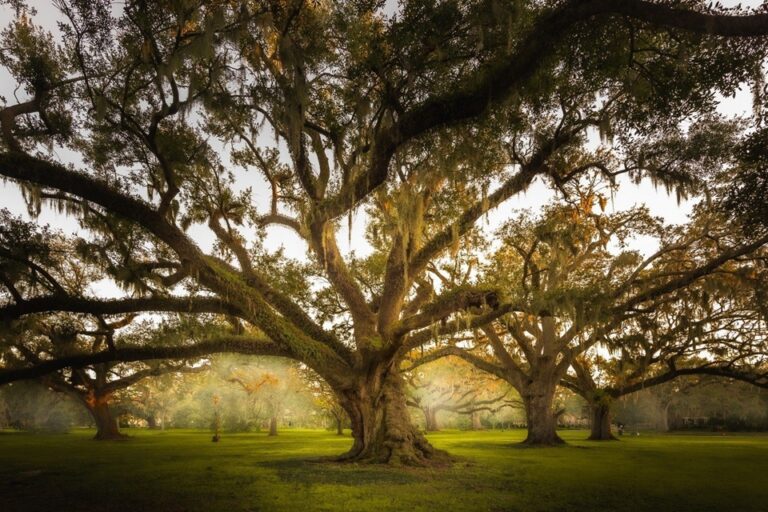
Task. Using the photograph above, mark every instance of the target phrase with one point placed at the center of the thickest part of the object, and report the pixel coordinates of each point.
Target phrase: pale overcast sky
(628, 195)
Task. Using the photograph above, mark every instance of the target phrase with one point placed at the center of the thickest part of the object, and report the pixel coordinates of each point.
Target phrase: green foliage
(244, 115)
(569, 259)
(31, 55)
(747, 185)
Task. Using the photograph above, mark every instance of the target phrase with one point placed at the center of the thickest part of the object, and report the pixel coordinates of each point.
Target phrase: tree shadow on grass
(477, 445)
(322, 471)
(560, 446)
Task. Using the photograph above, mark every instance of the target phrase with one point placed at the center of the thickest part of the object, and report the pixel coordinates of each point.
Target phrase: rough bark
(106, 424)
(273, 426)
(381, 424)
(601, 422)
(542, 421)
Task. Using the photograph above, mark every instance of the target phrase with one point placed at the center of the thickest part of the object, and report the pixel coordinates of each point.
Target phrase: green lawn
(180, 470)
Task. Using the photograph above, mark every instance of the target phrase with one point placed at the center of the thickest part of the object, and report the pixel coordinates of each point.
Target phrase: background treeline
(706, 405)
(253, 395)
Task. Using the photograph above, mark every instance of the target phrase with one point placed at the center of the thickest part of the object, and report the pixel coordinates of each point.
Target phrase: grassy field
(184, 471)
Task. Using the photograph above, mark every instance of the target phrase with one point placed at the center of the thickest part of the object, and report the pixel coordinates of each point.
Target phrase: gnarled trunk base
(542, 421)
(382, 427)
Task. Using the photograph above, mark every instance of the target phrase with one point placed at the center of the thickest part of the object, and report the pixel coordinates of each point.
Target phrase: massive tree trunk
(106, 423)
(273, 426)
(381, 424)
(430, 417)
(542, 421)
(601, 422)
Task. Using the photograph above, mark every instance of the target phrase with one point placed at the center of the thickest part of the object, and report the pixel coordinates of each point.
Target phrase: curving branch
(692, 275)
(476, 361)
(445, 305)
(228, 344)
(22, 167)
(323, 242)
(56, 303)
(130, 380)
(499, 79)
(514, 185)
(756, 379)
(418, 338)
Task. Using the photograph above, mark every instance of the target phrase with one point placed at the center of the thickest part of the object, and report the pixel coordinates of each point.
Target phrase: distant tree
(155, 399)
(454, 386)
(697, 402)
(714, 327)
(274, 386)
(93, 386)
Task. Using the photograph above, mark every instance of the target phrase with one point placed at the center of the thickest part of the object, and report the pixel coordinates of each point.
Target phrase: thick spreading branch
(117, 306)
(478, 362)
(229, 344)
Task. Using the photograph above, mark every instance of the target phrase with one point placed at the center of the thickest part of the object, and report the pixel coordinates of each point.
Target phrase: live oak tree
(575, 286)
(95, 386)
(454, 386)
(430, 118)
(98, 387)
(713, 328)
(33, 260)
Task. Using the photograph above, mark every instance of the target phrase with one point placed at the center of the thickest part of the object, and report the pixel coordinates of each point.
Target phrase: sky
(628, 195)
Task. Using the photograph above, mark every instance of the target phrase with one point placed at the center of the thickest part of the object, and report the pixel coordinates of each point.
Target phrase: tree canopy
(233, 118)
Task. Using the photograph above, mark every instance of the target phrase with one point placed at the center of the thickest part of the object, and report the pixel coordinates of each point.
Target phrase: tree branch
(56, 303)
(228, 344)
